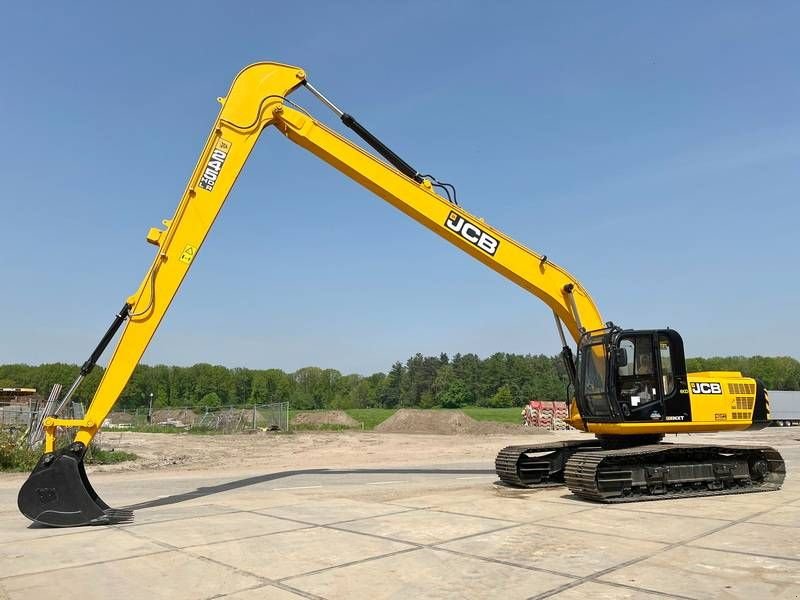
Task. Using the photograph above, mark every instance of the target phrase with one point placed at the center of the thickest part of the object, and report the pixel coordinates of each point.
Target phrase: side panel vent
(748, 389)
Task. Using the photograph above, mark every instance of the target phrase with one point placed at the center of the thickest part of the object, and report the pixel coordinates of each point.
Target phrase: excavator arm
(58, 491)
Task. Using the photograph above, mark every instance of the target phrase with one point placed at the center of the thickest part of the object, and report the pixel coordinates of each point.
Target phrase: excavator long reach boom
(58, 492)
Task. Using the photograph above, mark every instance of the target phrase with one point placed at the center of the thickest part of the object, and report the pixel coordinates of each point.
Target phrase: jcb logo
(472, 233)
(706, 388)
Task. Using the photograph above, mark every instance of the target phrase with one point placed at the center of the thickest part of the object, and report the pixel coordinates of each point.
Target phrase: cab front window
(592, 369)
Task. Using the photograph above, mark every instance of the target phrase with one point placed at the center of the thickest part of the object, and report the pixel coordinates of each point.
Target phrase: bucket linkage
(58, 493)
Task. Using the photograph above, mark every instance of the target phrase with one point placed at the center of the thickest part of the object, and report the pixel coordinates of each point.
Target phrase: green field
(501, 415)
(370, 417)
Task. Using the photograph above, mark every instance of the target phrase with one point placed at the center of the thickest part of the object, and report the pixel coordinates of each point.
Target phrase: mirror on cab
(622, 358)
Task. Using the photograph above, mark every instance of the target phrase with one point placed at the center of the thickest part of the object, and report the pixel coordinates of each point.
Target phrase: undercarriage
(608, 470)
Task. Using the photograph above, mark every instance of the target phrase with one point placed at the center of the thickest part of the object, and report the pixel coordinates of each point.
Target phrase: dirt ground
(350, 448)
(306, 449)
(446, 422)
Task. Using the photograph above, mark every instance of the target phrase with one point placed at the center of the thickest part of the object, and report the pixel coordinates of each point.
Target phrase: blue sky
(650, 148)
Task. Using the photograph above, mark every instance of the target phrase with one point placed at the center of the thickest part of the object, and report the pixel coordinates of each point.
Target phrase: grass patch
(500, 415)
(370, 417)
(15, 456)
(100, 456)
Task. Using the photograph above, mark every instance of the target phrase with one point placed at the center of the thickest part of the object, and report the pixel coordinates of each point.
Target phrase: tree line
(500, 380)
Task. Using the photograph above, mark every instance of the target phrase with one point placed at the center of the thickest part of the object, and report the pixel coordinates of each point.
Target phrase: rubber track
(508, 460)
(580, 472)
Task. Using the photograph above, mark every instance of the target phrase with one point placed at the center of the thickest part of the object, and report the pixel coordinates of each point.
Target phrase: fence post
(254, 417)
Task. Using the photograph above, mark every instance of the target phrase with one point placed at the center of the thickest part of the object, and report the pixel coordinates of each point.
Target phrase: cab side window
(640, 357)
(665, 357)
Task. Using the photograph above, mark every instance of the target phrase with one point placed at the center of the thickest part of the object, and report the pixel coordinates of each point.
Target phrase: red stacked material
(545, 414)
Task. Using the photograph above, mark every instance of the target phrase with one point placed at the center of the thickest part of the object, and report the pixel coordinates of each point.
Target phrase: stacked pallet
(546, 415)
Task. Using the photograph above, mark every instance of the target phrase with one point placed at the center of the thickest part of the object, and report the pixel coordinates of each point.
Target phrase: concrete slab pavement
(293, 553)
(559, 552)
(427, 574)
(699, 573)
(243, 536)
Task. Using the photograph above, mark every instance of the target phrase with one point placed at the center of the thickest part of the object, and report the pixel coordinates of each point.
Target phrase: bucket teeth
(117, 516)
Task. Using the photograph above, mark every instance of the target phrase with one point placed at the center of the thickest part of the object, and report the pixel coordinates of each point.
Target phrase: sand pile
(410, 420)
(446, 422)
(120, 418)
(182, 416)
(325, 417)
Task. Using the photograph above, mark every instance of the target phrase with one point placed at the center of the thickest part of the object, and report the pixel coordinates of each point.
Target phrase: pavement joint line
(81, 565)
(614, 535)
(54, 532)
(297, 591)
(669, 514)
(297, 487)
(745, 552)
(265, 580)
(507, 563)
(458, 514)
(373, 535)
(534, 522)
(399, 512)
(280, 582)
(223, 595)
(780, 525)
(641, 589)
(239, 539)
(472, 535)
(350, 564)
(430, 545)
(332, 526)
(386, 482)
(173, 519)
(646, 556)
(245, 537)
(427, 507)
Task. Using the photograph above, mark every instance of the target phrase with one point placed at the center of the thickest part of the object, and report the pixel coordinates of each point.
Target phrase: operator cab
(632, 375)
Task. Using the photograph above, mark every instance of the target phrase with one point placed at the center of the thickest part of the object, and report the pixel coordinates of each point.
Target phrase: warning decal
(188, 254)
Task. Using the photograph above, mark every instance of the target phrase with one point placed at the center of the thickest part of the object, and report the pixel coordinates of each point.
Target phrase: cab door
(639, 387)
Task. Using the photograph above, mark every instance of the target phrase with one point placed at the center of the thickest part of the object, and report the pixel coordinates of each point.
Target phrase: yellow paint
(254, 102)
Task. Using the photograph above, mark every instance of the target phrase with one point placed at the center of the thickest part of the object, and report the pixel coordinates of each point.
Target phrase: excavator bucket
(58, 493)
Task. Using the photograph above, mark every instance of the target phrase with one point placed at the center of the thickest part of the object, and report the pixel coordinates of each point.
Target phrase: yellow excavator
(629, 387)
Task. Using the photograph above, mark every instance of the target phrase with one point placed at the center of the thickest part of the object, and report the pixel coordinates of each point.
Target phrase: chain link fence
(223, 419)
(23, 419)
